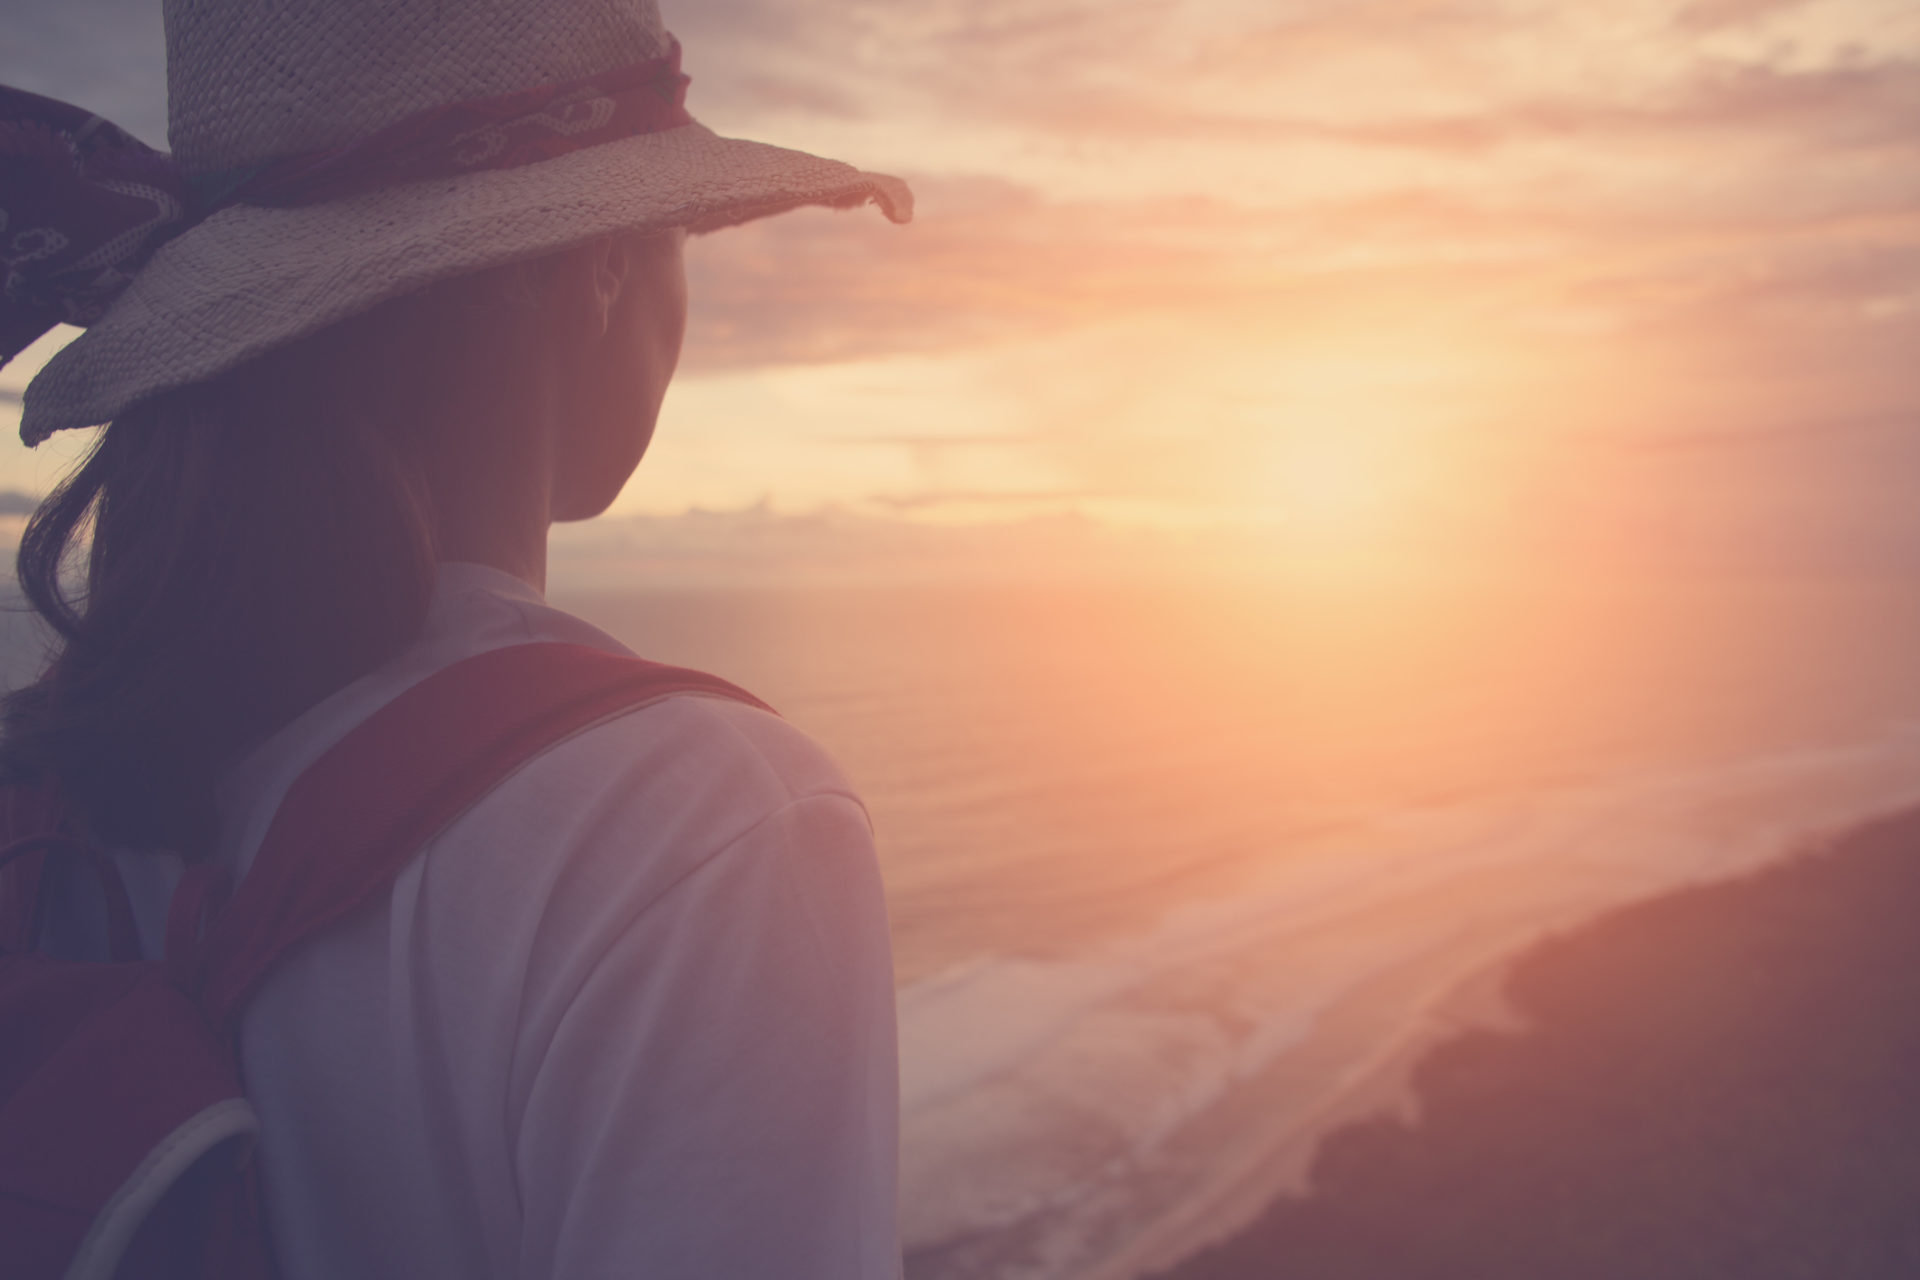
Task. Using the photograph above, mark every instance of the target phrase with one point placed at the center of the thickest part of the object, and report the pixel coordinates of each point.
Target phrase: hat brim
(250, 279)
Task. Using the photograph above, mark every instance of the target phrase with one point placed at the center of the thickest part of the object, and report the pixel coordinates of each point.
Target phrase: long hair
(257, 541)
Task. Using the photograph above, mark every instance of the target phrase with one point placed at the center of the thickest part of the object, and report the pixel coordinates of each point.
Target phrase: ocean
(1182, 874)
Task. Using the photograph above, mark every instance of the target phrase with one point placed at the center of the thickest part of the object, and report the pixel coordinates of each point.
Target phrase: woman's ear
(617, 373)
(578, 290)
(610, 263)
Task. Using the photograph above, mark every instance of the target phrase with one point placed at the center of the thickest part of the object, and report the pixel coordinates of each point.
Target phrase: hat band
(84, 204)
(523, 127)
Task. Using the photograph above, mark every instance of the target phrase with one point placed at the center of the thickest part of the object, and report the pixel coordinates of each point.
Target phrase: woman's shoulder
(634, 807)
(707, 745)
(724, 763)
(641, 797)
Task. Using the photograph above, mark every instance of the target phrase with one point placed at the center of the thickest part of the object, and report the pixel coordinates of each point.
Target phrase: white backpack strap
(99, 1254)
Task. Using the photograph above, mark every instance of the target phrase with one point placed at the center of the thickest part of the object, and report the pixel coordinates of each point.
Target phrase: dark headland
(1719, 1083)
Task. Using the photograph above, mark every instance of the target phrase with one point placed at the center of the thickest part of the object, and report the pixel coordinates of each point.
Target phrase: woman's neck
(490, 476)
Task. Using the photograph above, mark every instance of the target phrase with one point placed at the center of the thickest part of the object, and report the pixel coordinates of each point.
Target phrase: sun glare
(1362, 445)
(1333, 485)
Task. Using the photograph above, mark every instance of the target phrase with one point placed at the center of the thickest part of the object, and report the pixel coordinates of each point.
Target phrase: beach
(1718, 1081)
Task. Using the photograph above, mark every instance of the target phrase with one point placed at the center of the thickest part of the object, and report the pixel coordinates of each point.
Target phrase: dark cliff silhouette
(1723, 1082)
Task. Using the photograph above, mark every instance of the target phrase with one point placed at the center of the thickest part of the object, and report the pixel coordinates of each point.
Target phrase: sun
(1346, 470)
(1335, 485)
(1365, 445)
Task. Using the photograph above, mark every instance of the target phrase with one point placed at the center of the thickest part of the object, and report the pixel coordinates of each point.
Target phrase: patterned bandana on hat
(267, 225)
(82, 205)
(86, 203)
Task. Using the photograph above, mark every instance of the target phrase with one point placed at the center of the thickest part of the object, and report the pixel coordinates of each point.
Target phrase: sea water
(1176, 870)
(1179, 872)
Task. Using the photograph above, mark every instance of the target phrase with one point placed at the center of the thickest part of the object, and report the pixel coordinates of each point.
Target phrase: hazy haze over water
(1151, 849)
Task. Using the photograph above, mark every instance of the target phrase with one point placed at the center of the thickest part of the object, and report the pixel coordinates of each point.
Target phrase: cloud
(1708, 209)
(1718, 15)
(1453, 78)
(1849, 105)
(935, 499)
(1875, 438)
(773, 92)
(1872, 104)
(985, 261)
(990, 263)
(756, 545)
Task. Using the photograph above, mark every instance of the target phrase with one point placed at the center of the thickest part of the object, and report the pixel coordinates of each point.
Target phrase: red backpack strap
(360, 813)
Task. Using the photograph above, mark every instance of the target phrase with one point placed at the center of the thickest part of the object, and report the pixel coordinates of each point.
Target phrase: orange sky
(1382, 278)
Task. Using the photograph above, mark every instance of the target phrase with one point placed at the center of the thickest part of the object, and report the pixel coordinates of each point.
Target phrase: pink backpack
(124, 1127)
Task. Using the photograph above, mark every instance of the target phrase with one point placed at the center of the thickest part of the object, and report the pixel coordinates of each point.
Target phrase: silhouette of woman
(408, 290)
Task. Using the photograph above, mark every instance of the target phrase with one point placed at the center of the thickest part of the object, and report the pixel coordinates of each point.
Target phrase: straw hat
(251, 83)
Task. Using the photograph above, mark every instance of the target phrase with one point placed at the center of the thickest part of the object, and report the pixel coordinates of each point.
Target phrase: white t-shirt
(630, 1016)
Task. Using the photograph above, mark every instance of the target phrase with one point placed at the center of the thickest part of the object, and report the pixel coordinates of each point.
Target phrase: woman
(631, 1014)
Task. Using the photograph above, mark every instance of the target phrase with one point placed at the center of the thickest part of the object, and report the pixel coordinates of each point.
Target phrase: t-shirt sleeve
(720, 1097)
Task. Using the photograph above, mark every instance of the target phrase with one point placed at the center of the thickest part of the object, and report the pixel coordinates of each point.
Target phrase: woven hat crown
(254, 80)
(369, 104)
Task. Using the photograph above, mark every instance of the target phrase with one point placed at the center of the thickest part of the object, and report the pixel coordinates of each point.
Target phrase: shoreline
(1216, 1175)
(1381, 1088)
(1763, 1000)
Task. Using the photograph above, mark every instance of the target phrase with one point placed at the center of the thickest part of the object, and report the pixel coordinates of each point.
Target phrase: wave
(1058, 1113)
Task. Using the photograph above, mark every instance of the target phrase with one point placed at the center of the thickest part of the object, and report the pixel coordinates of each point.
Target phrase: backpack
(125, 1132)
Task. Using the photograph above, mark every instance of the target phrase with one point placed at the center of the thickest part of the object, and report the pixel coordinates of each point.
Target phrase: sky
(1370, 281)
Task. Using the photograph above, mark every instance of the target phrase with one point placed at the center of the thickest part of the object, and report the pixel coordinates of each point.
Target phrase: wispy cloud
(1717, 15)
(1161, 243)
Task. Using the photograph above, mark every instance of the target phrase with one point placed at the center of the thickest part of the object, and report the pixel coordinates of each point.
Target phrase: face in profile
(609, 410)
